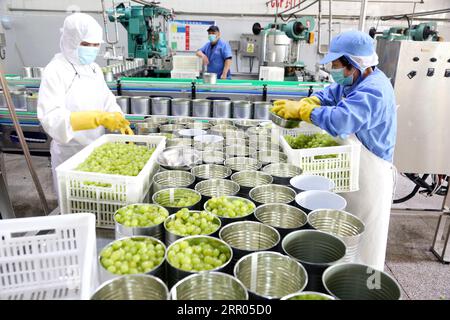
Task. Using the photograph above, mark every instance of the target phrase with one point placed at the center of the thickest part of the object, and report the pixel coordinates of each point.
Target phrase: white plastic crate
(342, 169)
(182, 74)
(78, 194)
(48, 258)
(190, 63)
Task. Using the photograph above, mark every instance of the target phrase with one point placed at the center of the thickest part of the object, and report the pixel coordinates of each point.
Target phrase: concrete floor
(411, 232)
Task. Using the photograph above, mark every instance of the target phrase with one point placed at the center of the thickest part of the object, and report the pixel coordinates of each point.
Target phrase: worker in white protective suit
(75, 105)
(360, 105)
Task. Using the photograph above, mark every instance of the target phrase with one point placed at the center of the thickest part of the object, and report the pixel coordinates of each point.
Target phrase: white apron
(85, 93)
(372, 204)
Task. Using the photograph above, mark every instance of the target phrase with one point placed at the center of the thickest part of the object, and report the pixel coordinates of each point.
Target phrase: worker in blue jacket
(360, 104)
(216, 54)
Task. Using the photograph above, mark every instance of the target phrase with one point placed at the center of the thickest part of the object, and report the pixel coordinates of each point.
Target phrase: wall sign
(188, 35)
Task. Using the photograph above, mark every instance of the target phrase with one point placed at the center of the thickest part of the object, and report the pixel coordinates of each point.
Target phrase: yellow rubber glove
(287, 109)
(297, 110)
(127, 130)
(87, 120)
(312, 100)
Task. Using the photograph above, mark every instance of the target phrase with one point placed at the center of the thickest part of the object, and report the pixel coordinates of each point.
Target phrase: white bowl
(316, 199)
(208, 138)
(191, 132)
(311, 182)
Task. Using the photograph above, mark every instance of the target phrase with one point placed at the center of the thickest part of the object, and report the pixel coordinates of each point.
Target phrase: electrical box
(249, 46)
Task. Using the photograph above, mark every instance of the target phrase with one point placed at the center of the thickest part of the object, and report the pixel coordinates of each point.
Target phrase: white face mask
(87, 55)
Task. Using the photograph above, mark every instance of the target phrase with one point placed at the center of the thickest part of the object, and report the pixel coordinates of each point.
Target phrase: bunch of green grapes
(188, 223)
(316, 140)
(132, 256)
(117, 158)
(198, 254)
(230, 207)
(141, 215)
(180, 198)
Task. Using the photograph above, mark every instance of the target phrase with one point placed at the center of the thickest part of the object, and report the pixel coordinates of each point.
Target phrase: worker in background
(75, 105)
(361, 102)
(216, 54)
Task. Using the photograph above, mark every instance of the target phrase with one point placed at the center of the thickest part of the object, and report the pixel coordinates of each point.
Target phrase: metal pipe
(330, 21)
(105, 22)
(23, 143)
(319, 18)
(362, 16)
(264, 44)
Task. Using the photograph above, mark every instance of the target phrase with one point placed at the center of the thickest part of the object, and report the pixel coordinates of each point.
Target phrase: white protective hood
(78, 27)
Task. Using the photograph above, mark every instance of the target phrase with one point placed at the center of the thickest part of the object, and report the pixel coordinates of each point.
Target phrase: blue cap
(213, 29)
(350, 43)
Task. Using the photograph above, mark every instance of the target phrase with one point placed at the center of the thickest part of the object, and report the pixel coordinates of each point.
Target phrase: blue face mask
(338, 77)
(212, 37)
(87, 55)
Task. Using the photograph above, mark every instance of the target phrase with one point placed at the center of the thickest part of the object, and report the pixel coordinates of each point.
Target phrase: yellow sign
(250, 48)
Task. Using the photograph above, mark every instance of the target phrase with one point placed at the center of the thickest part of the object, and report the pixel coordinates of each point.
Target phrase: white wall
(34, 36)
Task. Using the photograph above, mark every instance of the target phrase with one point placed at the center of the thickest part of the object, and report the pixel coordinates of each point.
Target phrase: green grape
(132, 255)
(141, 215)
(316, 140)
(180, 198)
(116, 158)
(229, 207)
(198, 255)
(184, 223)
(309, 297)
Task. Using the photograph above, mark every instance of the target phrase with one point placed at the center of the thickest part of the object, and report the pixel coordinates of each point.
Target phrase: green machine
(422, 32)
(281, 45)
(146, 26)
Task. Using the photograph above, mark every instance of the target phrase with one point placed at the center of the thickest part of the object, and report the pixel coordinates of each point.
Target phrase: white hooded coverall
(68, 86)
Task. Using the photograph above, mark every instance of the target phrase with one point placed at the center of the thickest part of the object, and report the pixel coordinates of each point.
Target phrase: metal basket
(239, 151)
(182, 120)
(245, 237)
(211, 171)
(245, 124)
(308, 295)
(209, 286)
(156, 120)
(272, 193)
(217, 188)
(221, 129)
(163, 198)
(248, 179)
(227, 220)
(270, 275)
(242, 163)
(316, 251)
(258, 131)
(342, 224)
(271, 156)
(283, 217)
(172, 179)
(282, 172)
(143, 128)
(351, 281)
(132, 287)
(178, 142)
(199, 125)
(264, 144)
(217, 122)
(157, 271)
(156, 231)
(236, 141)
(213, 157)
(171, 128)
(171, 237)
(176, 274)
